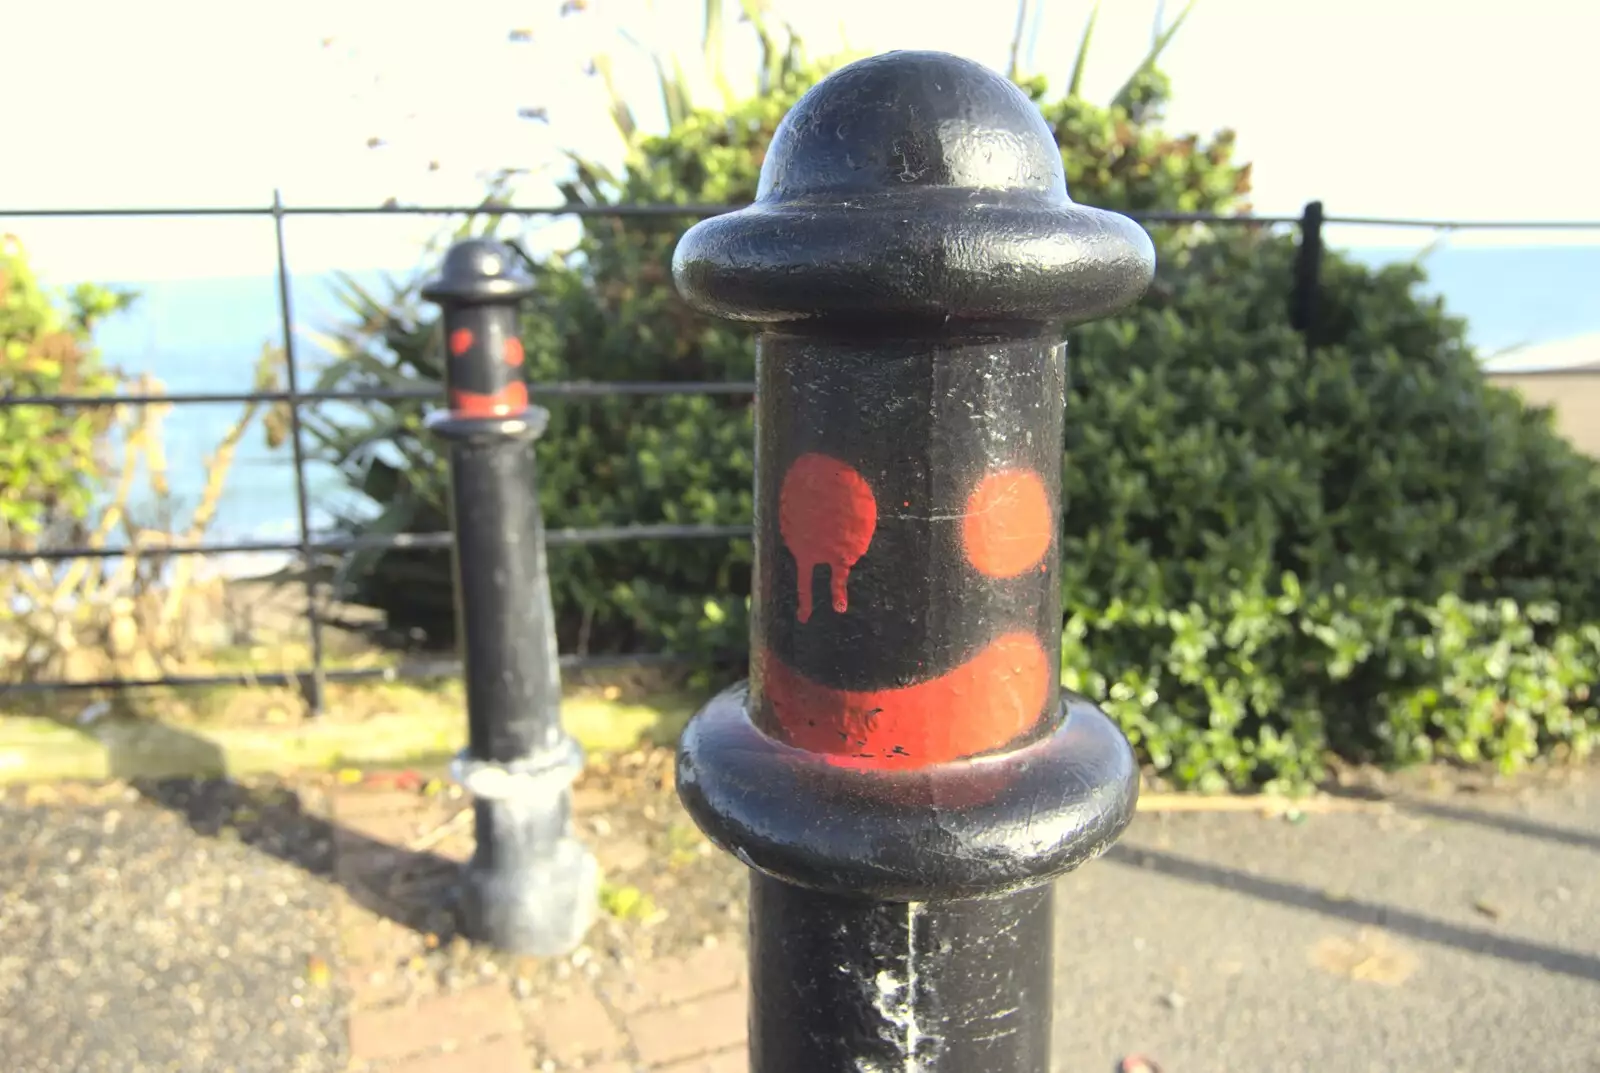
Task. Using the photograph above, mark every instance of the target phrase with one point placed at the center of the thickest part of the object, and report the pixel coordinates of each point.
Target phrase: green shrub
(1204, 438)
(1249, 686)
(51, 458)
(1209, 451)
(1484, 686)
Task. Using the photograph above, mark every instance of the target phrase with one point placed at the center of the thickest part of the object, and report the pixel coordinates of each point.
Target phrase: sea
(205, 335)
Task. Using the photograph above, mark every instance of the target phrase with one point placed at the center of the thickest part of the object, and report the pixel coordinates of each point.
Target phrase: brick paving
(678, 1011)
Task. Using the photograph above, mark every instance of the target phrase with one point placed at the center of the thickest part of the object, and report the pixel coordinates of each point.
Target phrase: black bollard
(903, 771)
(530, 888)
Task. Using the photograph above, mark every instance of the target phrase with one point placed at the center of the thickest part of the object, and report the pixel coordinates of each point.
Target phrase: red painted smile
(512, 399)
(974, 708)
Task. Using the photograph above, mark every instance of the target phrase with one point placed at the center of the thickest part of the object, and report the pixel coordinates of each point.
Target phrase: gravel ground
(128, 944)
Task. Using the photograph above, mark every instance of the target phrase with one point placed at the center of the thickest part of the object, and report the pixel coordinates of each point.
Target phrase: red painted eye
(827, 515)
(460, 341)
(513, 354)
(1009, 523)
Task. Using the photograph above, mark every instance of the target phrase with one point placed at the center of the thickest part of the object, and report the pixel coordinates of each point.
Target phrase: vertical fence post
(1308, 274)
(902, 771)
(314, 689)
(530, 887)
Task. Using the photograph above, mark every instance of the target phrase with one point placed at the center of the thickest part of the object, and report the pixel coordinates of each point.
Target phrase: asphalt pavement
(1459, 932)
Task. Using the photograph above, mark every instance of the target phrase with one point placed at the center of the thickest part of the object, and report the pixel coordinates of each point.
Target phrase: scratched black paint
(912, 255)
(529, 887)
(885, 987)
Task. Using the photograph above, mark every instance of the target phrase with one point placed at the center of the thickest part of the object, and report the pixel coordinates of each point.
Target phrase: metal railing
(308, 546)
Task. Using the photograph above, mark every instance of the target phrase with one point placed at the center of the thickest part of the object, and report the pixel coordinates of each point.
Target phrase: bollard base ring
(986, 826)
(542, 776)
(530, 887)
(522, 427)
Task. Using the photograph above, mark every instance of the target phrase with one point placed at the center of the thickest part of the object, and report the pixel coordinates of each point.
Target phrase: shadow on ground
(1401, 921)
(417, 888)
(1499, 821)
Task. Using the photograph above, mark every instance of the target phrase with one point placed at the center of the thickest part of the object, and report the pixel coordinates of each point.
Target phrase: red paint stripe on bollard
(511, 399)
(982, 705)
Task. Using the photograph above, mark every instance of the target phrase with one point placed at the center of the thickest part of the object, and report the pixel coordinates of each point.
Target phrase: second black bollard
(902, 771)
(531, 887)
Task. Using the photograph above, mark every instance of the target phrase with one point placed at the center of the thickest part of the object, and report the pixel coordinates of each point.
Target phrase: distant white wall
(1574, 396)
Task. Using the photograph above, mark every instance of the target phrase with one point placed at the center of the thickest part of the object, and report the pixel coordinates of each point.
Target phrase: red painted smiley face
(511, 399)
(827, 515)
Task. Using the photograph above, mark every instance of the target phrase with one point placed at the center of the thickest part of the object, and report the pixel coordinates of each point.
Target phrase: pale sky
(1433, 108)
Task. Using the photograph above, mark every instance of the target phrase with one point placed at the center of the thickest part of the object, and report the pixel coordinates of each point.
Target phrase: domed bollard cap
(919, 186)
(479, 270)
(480, 288)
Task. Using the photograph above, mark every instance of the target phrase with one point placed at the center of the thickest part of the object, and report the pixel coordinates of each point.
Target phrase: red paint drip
(975, 708)
(513, 353)
(511, 399)
(827, 516)
(460, 341)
